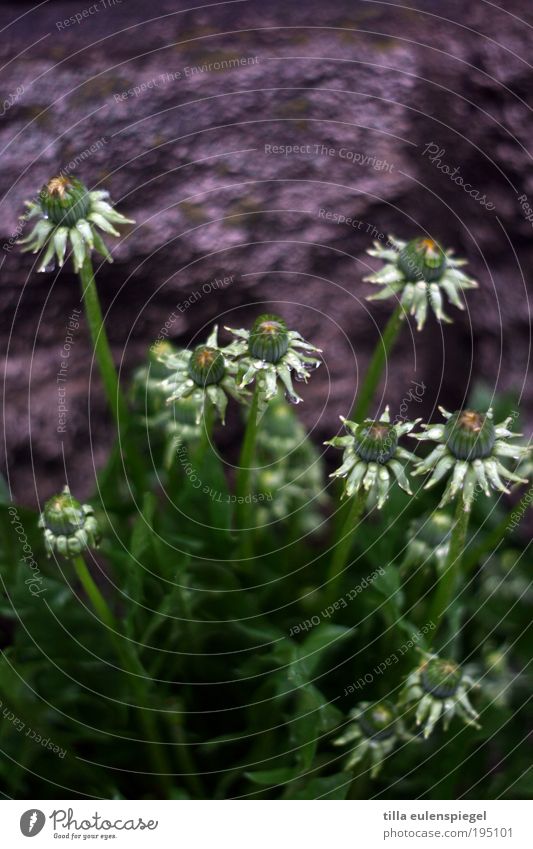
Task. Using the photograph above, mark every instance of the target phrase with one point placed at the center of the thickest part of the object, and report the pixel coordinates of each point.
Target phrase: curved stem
(102, 350)
(342, 549)
(104, 358)
(448, 578)
(132, 665)
(376, 365)
(245, 470)
(93, 593)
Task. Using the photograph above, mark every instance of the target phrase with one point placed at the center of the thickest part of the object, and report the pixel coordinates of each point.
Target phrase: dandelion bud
(70, 217)
(422, 259)
(470, 435)
(65, 200)
(441, 678)
(69, 527)
(156, 370)
(271, 355)
(372, 735)
(206, 366)
(378, 721)
(63, 514)
(204, 376)
(428, 541)
(371, 454)
(439, 689)
(376, 441)
(419, 274)
(469, 448)
(269, 338)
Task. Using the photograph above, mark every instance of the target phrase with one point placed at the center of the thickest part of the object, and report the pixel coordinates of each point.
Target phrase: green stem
(342, 549)
(108, 373)
(376, 365)
(93, 593)
(102, 350)
(448, 579)
(134, 667)
(246, 461)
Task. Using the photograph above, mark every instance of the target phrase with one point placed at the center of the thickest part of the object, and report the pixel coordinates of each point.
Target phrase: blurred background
(240, 136)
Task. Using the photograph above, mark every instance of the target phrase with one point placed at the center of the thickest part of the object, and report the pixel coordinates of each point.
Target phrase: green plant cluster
(203, 631)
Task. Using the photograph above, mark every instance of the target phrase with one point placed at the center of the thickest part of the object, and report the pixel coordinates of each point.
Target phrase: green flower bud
(422, 259)
(69, 527)
(379, 721)
(269, 338)
(70, 218)
(63, 514)
(469, 435)
(375, 441)
(433, 530)
(160, 349)
(157, 369)
(65, 200)
(206, 366)
(441, 678)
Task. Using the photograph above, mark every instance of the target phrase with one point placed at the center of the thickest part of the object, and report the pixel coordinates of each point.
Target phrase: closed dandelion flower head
(428, 541)
(418, 273)
(470, 451)
(204, 375)
(70, 218)
(269, 338)
(289, 466)
(422, 259)
(206, 366)
(147, 396)
(439, 689)
(68, 526)
(174, 423)
(269, 353)
(371, 453)
(374, 731)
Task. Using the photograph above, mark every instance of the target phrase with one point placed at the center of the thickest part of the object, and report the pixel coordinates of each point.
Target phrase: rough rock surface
(361, 88)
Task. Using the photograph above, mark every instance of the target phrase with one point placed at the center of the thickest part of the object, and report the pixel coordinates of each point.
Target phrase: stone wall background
(186, 158)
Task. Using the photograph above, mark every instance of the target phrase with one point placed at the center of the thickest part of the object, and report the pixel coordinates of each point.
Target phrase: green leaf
(304, 659)
(315, 718)
(322, 639)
